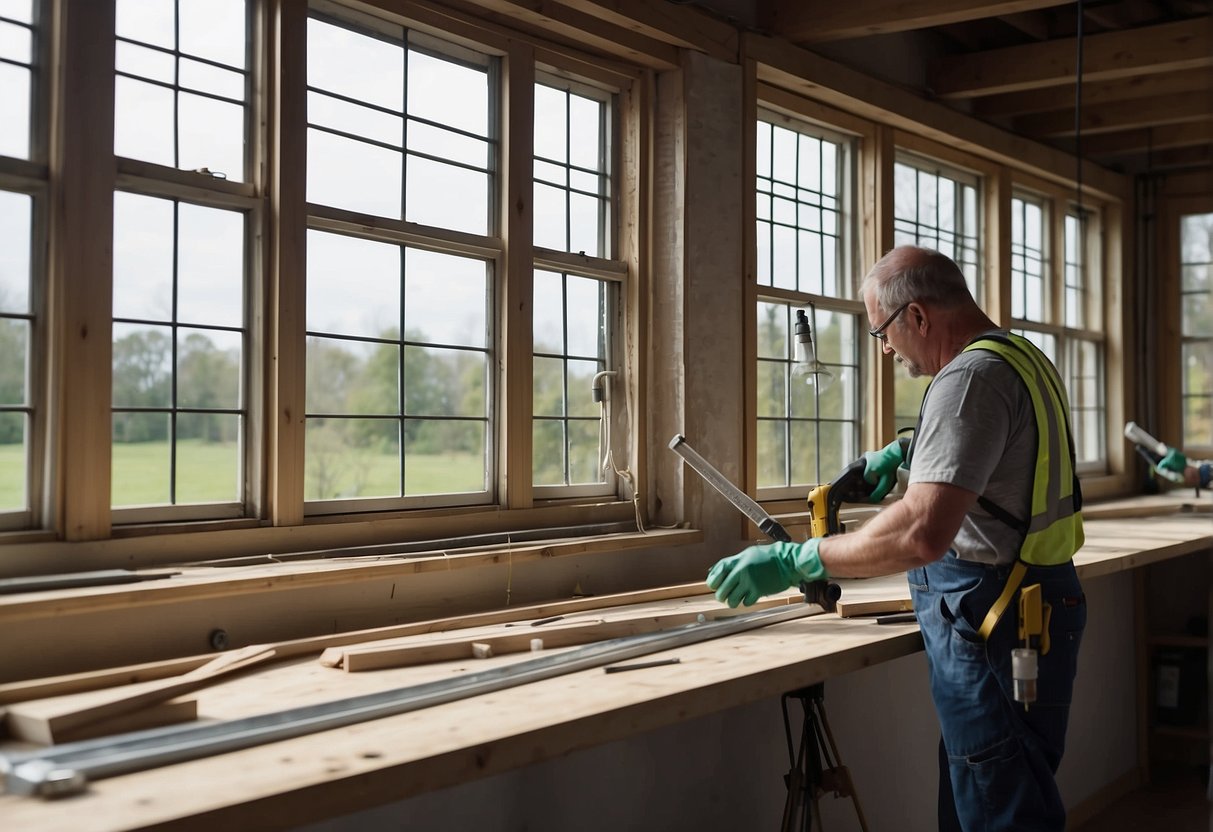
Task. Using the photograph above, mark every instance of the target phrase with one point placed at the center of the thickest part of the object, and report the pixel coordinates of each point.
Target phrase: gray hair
(911, 273)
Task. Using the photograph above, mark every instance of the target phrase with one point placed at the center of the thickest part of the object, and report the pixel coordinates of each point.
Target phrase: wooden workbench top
(350, 769)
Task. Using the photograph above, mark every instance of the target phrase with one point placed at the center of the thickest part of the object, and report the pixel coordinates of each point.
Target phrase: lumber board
(36, 721)
(63, 718)
(93, 680)
(405, 652)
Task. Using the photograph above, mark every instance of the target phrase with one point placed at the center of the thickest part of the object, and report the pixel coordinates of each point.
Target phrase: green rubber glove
(880, 469)
(1172, 465)
(765, 570)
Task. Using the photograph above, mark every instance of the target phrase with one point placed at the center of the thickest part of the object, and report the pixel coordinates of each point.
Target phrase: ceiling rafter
(1119, 115)
(1164, 137)
(1186, 44)
(808, 21)
(1101, 92)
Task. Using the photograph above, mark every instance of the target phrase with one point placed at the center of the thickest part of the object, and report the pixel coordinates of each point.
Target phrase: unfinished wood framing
(80, 296)
(1160, 110)
(287, 304)
(820, 79)
(823, 20)
(1165, 47)
(1102, 92)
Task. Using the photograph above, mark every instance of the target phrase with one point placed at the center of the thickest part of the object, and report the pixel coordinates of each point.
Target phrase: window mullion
(82, 270)
(516, 280)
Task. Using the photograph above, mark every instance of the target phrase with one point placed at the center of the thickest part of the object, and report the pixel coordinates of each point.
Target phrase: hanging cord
(1078, 117)
(608, 460)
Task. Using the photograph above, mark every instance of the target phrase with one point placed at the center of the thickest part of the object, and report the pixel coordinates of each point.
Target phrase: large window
(22, 193)
(1055, 306)
(934, 208)
(16, 77)
(404, 356)
(1196, 326)
(574, 305)
(181, 277)
(399, 351)
(808, 415)
(1083, 363)
(182, 84)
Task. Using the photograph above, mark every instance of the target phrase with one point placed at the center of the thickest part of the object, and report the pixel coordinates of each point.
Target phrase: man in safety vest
(991, 512)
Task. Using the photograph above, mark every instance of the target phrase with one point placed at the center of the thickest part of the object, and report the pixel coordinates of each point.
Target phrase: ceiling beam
(1119, 115)
(806, 21)
(1167, 47)
(1101, 92)
(1181, 158)
(785, 65)
(1036, 25)
(1154, 138)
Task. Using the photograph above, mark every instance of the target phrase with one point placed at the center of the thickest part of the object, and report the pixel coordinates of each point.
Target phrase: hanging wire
(1078, 116)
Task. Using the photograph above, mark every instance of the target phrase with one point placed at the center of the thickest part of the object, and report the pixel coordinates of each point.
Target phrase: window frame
(247, 196)
(30, 176)
(851, 134)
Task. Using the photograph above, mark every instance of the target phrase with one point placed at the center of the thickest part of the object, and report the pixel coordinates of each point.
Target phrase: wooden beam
(575, 26)
(1181, 157)
(1154, 138)
(682, 26)
(790, 67)
(80, 303)
(1119, 115)
(1167, 47)
(286, 371)
(807, 21)
(1103, 92)
(517, 286)
(1036, 25)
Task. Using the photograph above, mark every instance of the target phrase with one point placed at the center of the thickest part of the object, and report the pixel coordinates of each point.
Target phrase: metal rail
(67, 769)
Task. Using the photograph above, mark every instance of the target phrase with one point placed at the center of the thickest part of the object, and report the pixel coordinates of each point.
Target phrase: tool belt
(1034, 613)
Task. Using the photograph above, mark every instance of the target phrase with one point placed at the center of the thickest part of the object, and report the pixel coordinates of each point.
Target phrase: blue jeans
(997, 759)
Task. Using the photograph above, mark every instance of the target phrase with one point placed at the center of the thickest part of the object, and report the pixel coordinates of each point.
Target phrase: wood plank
(67, 718)
(93, 680)
(403, 653)
(1102, 92)
(790, 67)
(36, 721)
(1175, 108)
(810, 21)
(1166, 47)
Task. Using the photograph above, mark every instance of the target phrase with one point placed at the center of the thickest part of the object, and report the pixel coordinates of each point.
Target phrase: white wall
(725, 771)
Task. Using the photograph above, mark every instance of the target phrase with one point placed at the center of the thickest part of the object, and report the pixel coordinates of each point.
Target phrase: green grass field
(208, 472)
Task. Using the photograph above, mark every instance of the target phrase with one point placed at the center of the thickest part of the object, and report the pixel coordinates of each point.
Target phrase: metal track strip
(67, 769)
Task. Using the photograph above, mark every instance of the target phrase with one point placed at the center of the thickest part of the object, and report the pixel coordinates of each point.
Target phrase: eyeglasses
(879, 332)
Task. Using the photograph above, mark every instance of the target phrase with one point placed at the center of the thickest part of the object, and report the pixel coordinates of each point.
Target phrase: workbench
(342, 771)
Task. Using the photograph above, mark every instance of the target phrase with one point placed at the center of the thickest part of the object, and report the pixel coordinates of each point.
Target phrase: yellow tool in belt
(1034, 615)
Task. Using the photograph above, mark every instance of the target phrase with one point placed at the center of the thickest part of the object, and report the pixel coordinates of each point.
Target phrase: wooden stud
(1166, 47)
(286, 324)
(1102, 92)
(515, 280)
(1113, 116)
(82, 171)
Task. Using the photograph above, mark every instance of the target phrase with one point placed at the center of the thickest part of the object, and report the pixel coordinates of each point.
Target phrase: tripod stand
(807, 779)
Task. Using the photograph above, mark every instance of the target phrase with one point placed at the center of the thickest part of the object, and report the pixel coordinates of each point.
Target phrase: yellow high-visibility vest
(1053, 532)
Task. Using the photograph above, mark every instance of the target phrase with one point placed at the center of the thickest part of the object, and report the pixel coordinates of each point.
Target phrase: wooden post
(80, 307)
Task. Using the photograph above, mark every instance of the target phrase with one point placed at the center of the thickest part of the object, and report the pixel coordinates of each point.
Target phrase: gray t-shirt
(978, 432)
